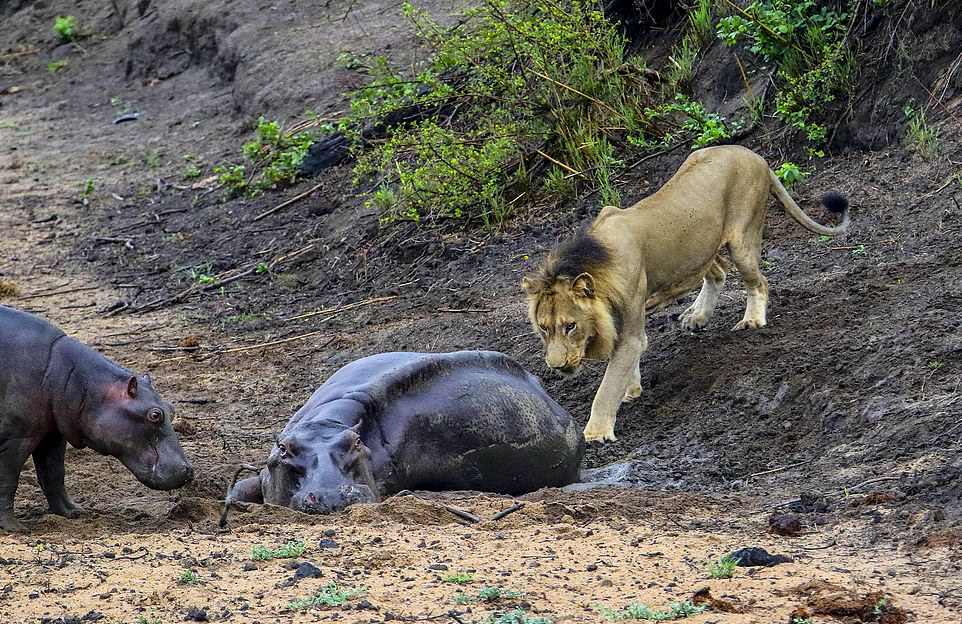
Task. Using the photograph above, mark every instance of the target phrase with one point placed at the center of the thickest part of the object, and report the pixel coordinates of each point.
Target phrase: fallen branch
(779, 469)
(58, 292)
(507, 512)
(334, 311)
(259, 345)
(287, 203)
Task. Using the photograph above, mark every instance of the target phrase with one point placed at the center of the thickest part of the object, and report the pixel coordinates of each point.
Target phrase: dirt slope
(855, 383)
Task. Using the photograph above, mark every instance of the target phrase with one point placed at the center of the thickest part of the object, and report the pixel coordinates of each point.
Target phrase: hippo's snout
(333, 499)
(161, 475)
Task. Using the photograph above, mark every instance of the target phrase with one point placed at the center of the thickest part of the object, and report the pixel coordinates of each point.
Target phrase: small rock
(755, 556)
(330, 533)
(437, 566)
(196, 615)
(327, 543)
(784, 524)
(249, 566)
(306, 570)
(33, 595)
(591, 567)
(365, 605)
(93, 616)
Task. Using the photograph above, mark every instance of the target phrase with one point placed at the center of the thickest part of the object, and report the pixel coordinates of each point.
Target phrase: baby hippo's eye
(570, 327)
(282, 449)
(155, 415)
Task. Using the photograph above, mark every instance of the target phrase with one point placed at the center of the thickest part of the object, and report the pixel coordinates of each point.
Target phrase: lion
(588, 299)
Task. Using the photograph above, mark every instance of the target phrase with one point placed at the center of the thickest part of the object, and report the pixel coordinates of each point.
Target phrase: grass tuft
(288, 551)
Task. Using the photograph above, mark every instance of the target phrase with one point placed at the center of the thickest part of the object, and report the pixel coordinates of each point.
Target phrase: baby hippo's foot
(65, 507)
(9, 523)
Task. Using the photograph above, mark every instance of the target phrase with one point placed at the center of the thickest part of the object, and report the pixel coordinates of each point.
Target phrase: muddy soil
(845, 410)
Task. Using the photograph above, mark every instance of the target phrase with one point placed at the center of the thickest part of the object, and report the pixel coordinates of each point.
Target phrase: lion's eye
(570, 327)
(155, 415)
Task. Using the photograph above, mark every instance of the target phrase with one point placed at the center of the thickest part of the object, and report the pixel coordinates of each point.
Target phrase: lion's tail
(834, 202)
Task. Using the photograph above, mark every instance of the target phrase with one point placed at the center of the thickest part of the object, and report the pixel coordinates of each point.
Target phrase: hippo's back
(463, 420)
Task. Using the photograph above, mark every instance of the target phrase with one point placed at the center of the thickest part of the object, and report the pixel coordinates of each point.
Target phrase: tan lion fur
(588, 299)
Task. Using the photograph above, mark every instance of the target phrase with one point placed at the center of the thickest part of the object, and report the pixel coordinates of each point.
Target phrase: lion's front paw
(632, 393)
(598, 435)
(748, 324)
(691, 320)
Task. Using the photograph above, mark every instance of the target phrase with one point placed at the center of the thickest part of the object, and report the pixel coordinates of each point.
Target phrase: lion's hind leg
(746, 257)
(699, 313)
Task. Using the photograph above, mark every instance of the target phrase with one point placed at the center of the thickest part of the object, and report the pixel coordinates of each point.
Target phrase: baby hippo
(470, 420)
(55, 390)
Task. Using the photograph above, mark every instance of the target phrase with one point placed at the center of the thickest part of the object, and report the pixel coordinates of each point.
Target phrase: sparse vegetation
(802, 620)
(143, 619)
(202, 274)
(66, 27)
(637, 611)
(56, 66)
(488, 595)
(922, 136)
(458, 578)
(87, 188)
(516, 616)
(289, 550)
(191, 172)
(723, 568)
(330, 596)
(188, 577)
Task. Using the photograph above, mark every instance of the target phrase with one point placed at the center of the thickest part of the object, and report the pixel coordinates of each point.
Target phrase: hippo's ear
(132, 387)
(147, 380)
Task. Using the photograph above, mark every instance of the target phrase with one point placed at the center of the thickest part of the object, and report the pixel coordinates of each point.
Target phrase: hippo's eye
(155, 415)
(570, 327)
(282, 449)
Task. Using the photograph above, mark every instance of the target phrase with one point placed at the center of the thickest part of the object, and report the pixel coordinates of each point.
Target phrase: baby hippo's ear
(132, 387)
(583, 286)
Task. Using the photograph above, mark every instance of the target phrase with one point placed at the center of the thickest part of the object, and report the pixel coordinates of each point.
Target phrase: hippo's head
(319, 473)
(132, 423)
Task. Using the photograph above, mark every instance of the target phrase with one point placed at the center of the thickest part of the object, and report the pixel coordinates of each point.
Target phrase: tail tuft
(835, 202)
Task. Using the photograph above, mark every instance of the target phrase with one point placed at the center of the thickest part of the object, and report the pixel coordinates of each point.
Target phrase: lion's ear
(583, 285)
(532, 285)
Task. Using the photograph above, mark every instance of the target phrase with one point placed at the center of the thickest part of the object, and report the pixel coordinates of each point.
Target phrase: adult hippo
(470, 420)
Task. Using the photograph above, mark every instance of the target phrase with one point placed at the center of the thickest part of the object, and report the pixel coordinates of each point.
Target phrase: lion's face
(564, 314)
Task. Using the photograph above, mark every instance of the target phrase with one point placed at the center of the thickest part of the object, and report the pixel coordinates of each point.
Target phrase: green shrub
(807, 42)
(271, 159)
(287, 551)
(521, 98)
(924, 138)
(330, 596)
(637, 611)
(66, 27)
(790, 174)
(723, 568)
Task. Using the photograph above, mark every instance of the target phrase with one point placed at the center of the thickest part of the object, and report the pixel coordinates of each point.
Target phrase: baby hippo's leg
(48, 459)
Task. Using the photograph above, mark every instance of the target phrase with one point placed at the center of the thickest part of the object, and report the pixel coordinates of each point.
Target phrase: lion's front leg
(621, 371)
(634, 384)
